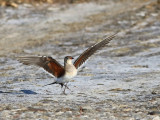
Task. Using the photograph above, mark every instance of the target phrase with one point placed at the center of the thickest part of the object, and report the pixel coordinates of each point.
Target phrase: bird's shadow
(19, 92)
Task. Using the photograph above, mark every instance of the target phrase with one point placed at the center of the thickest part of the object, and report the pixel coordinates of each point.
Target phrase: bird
(64, 74)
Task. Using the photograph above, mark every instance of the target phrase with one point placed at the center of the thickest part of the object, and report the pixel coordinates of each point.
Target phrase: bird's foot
(63, 93)
(67, 87)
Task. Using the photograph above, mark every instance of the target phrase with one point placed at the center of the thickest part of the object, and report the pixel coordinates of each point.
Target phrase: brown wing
(91, 50)
(47, 63)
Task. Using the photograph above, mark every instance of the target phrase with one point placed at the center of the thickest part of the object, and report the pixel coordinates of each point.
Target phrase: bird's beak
(72, 58)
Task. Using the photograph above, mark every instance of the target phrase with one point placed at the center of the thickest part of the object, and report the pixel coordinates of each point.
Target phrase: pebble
(87, 108)
(68, 113)
(156, 118)
(59, 113)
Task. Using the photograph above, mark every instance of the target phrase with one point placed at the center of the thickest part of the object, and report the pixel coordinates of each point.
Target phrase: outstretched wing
(91, 50)
(47, 63)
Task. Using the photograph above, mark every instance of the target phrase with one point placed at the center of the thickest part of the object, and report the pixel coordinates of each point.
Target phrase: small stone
(59, 113)
(131, 119)
(127, 110)
(156, 118)
(69, 113)
(84, 116)
(5, 113)
(86, 109)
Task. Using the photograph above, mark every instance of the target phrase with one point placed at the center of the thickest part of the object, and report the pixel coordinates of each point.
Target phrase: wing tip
(112, 36)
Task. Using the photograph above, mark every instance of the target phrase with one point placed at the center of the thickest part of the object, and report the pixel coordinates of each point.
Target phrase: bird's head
(68, 59)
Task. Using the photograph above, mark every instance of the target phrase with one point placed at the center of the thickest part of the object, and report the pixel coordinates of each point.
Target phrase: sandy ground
(120, 83)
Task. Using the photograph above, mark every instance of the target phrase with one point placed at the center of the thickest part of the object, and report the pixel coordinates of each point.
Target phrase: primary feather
(91, 50)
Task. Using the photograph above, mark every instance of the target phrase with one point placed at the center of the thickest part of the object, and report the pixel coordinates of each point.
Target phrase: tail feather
(50, 84)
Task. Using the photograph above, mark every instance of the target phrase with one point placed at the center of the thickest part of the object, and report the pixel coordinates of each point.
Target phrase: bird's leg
(61, 85)
(67, 86)
(64, 89)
